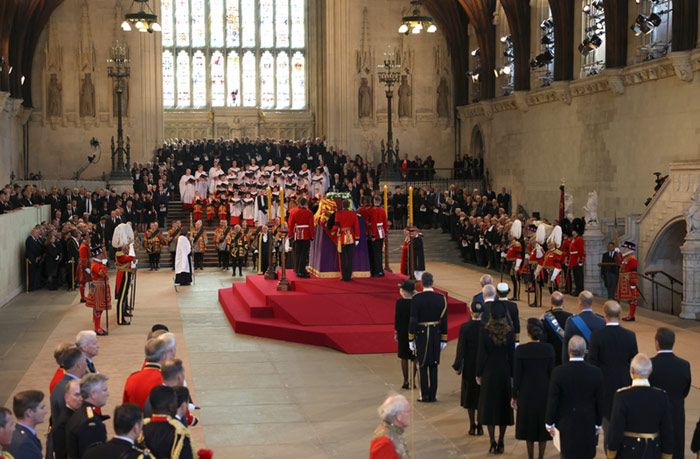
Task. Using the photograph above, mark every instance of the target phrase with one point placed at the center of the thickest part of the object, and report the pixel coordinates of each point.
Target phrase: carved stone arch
(664, 254)
(477, 146)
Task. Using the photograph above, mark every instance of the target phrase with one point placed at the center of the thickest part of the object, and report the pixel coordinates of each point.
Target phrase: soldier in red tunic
(223, 208)
(99, 296)
(515, 255)
(388, 441)
(347, 228)
(84, 265)
(627, 284)
(553, 259)
(301, 228)
(577, 254)
(197, 207)
(367, 213)
(537, 262)
(378, 230)
(125, 261)
(212, 206)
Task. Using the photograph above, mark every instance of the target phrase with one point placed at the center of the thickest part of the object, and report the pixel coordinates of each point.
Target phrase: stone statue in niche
(125, 99)
(404, 98)
(692, 214)
(54, 104)
(591, 208)
(364, 99)
(87, 97)
(569, 206)
(443, 96)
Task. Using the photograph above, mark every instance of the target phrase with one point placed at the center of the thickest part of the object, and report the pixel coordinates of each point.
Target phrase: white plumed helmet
(556, 236)
(123, 236)
(516, 229)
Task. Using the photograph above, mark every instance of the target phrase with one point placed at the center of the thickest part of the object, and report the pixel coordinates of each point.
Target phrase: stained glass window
(216, 16)
(183, 79)
(234, 53)
(283, 80)
(166, 14)
(168, 80)
(249, 80)
(218, 80)
(199, 34)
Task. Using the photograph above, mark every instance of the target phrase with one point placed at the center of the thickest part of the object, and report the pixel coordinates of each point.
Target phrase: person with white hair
(86, 341)
(395, 417)
(485, 280)
(641, 423)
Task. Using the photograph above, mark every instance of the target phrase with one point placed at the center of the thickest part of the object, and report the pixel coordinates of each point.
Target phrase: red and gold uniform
(153, 241)
(628, 282)
(347, 228)
(552, 264)
(301, 228)
(57, 377)
(377, 228)
(197, 208)
(99, 295)
(536, 262)
(139, 384)
(125, 272)
(223, 210)
(83, 275)
(565, 250)
(212, 205)
(577, 256)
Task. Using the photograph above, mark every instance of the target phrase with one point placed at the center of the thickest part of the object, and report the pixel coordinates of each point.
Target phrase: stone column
(595, 246)
(690, 306)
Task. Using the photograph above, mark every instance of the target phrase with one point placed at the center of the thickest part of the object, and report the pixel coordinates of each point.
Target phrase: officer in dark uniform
(86, 428)
(163, 435)
(128, 424)
(641, 426)
(428, 335)
(554, 322)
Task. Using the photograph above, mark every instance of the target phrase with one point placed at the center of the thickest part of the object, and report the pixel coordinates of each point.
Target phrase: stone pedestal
(690, 306)
(595, 246)
(120, 184)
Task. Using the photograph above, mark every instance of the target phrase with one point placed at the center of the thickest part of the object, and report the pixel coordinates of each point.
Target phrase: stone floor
(263, 398)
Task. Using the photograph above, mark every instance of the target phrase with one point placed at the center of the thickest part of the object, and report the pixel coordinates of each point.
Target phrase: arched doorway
(665, 256)
(477, 144)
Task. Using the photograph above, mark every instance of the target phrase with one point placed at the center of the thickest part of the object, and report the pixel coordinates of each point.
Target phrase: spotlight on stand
(476, 52)
(547, 24)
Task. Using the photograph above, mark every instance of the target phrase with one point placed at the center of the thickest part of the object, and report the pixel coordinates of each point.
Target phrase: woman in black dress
(533, 365)
(494, 368)
(465, 364)
(401, 319)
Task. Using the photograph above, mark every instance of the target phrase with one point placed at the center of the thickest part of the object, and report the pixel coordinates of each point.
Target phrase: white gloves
(443, 345)
(357, 243)
(518, 262)
(412, 346)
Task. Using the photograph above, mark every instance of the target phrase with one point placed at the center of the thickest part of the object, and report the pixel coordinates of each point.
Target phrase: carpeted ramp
(353, 317)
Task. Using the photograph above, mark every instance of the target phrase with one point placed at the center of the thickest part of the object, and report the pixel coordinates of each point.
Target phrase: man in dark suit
(86, 341)
(128, 425)
(672, 374)
(485, 280)
(72, 402)
(74, 365)
(574, 405)
(641, 425)
(554, 322)
(34, 252)
(30, 410)
(612, 349)
(610, 269)
(427, 334)
(583, 324)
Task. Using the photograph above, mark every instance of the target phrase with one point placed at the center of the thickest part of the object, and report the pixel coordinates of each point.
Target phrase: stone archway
(476, 149)
(665, 255)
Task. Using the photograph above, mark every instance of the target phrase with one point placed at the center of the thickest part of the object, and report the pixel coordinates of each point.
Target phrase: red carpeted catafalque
(353, 317)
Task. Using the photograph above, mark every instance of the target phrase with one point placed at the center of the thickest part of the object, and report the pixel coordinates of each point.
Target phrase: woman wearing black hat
(401, 319)
(533, 365)
(494, 368)
(465, 364)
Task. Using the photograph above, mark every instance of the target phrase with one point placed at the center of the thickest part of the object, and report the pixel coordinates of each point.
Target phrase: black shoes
(493, 448)
(405, 385)
(479, 430)
(500, 448)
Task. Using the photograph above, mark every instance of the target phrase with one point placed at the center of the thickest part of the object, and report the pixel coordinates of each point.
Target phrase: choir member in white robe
(187, 188)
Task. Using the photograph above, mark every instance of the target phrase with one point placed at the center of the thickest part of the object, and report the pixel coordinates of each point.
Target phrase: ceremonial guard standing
(378, 227)
(153, 243)
(197, 208)
(553, 259)
(641, 423)
(84, 266)
(237, 249)
(536, 263)
(515, 255)
(223, 207)
(173, 234)
(347, 229)
(99, 296)
(367, 213)
(427, 334)
(301, 228)
(627, 284)
(198, 238)
(220, 235)
(577, 254)
(126, 264)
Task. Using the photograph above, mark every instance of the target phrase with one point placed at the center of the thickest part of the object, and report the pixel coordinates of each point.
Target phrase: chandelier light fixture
(141, 17)
(416, 22)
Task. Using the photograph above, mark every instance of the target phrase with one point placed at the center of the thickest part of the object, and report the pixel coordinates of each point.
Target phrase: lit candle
(386, 199)
(282, 205)
(269, 203)
(410, 206)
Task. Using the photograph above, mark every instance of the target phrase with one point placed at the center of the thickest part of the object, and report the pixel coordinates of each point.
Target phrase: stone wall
(607, 133)
(12, 119)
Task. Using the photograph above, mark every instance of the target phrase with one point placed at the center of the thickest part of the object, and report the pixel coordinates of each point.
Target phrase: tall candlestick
(410, 206)
(282, 205)
(386, 199)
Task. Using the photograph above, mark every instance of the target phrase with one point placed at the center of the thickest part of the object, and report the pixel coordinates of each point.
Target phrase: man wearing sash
(301, 228)
(173, 234)
(583, 324)
(125, 263)
(153, 244)
(347, 228)
(554, 322)
(199, 244)
(427, 335)
(99, 296)
(220, 236)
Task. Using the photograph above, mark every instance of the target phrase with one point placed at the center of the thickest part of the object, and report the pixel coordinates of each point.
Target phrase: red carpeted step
(257, 304)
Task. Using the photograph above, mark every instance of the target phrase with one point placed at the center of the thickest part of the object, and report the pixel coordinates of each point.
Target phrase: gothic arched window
(234, 53)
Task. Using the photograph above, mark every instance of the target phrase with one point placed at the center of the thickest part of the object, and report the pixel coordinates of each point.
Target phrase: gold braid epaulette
(181, 432)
